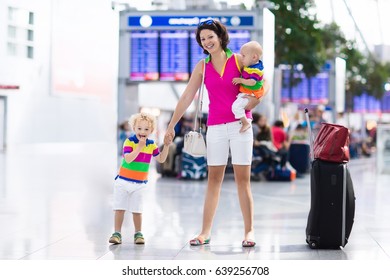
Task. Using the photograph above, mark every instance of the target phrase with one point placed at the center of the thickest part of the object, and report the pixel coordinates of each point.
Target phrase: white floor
(55, 204)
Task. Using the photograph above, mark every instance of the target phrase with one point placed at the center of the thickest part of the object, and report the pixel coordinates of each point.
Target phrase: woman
(223, 129)
(263, 141)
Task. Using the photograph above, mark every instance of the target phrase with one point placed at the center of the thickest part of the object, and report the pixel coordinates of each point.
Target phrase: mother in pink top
(223, 129)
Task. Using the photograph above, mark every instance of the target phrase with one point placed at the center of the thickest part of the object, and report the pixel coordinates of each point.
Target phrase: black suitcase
(332, 207)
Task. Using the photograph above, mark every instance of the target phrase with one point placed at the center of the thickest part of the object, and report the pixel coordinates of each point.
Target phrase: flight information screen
(237, 39)
(196, 52)
(144, 56)
(174, 55)
(314, 90)
(320, 88)
(170, 55)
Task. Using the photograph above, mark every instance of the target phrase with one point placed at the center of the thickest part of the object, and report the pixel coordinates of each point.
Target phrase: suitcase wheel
(312, 244)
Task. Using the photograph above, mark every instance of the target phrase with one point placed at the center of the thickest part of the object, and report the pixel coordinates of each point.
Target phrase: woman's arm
(187, 97)
(253, 101)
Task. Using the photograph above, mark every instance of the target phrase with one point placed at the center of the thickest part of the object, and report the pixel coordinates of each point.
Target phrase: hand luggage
(332, 143)
(168, 167)
(194, 168)
(299, 157)
(332, 205)
(281, 174)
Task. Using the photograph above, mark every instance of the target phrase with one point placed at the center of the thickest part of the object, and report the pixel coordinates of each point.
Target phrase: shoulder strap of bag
(200, 102)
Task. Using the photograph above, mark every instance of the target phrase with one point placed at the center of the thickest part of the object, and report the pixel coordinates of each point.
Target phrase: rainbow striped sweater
(254, 72)
(137, 171)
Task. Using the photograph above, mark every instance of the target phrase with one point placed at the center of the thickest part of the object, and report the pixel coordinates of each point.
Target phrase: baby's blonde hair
(151, 119)
(254, 47)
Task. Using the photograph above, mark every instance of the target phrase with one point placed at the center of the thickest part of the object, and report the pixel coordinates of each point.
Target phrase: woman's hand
(169, 135)
(168, 139)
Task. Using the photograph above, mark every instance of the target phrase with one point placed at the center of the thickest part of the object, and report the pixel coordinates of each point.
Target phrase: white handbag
(194, 143)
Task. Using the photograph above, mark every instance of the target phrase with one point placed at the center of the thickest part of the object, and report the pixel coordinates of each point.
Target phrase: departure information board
(386, 102)
(174, 56)
(314, 90)
(163, 46)
(170, 55)
(319, 88)
(196, 52)
(369, 104)
(237, 39)
(144, 56)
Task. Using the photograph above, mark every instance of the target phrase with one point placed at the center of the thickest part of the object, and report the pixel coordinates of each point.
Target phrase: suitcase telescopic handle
(310, 134)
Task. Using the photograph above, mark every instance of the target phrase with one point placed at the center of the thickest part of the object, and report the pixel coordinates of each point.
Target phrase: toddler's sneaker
(139, 238)
(116, 238)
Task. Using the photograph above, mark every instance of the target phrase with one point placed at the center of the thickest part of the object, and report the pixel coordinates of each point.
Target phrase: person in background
(299, 135)
(264, 150)
(132, 179)
(219, 68)
(280, 141)
(255, 127)
(124, 133)
(263, 144)
(251, 81)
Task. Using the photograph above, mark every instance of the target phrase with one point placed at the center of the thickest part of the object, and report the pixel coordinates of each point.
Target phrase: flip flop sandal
(248, 243)
(199, 241)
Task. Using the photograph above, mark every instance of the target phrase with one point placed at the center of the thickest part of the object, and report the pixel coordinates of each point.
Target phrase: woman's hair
(215, 26)
(151, 119)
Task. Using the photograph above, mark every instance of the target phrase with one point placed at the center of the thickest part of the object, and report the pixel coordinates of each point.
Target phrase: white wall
(71, 39)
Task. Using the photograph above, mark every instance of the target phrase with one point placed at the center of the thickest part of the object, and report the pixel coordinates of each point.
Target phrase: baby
(251, 81)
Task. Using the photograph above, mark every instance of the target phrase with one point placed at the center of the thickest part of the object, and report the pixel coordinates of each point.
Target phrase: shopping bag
(194, 144)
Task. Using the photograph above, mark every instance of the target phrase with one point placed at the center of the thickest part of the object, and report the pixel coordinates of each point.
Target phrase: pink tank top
(221, 90)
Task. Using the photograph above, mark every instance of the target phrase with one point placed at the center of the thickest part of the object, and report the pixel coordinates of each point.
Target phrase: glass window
(11, 32)
(30, 52)
(11, 14)
(11, 49)
(31, 18)
(20, 16)
(30, 35)
(20, 33)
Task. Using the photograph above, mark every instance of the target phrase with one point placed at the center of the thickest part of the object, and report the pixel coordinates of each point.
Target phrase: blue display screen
(174, 55)
(153, 21)
(314, 90)
(319, 88)
(144, 56)
(170, 55)
(237, 39)
(196, 52)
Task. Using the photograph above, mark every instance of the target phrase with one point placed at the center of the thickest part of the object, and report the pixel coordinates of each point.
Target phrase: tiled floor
(55, 203)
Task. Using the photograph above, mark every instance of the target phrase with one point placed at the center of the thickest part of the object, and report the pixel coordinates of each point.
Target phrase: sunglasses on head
(207, 22)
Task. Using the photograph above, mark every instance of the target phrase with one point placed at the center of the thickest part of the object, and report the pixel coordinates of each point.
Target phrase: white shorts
(128, 195)
(224, 137)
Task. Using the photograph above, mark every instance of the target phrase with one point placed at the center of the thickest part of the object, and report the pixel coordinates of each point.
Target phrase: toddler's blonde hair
(151, 119)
